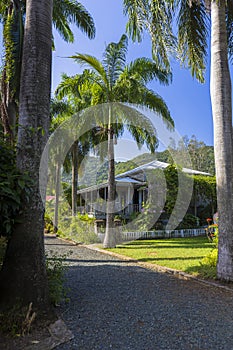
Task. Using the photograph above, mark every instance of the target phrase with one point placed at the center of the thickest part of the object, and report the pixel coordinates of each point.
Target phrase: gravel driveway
(116, 304)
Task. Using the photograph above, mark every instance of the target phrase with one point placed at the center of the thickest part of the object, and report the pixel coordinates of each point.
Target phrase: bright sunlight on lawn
(183, 254)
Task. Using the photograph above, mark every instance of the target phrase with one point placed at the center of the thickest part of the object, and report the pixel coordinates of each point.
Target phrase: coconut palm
(115, 81)
(193, 30)
(65, 13)
(23, 275)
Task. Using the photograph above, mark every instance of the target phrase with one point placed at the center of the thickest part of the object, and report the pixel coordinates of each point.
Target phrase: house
(131, 192)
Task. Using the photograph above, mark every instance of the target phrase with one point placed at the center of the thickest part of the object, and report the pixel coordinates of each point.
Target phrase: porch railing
(100, 210)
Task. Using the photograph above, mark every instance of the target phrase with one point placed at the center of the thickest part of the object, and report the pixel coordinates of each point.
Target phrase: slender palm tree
(76, 92)
(23, 275)
(65, 13)
(193, 29)
(115, 81)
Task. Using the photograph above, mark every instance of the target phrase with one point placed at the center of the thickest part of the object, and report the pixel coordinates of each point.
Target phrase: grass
(183, 254)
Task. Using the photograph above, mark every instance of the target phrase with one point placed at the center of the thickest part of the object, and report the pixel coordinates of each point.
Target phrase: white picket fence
(130, 236)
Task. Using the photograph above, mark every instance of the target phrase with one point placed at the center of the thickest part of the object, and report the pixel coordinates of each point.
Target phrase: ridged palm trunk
(23, 276)
(57, 195)
(74, 177)
(222, 116)
(110, 238)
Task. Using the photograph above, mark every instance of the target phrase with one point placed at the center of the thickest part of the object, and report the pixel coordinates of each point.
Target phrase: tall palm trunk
(57, 195)
(110, 239)
(74, 177)
(222, 116)
(23, 276)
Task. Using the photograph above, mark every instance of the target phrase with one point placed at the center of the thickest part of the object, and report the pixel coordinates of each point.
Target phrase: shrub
(48, 223)
(14, 190)
(55, 268)
(79, 228)
(189, 221)
(209, 262)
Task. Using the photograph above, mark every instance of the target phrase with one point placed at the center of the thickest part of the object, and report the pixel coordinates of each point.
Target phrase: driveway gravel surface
(117, 304)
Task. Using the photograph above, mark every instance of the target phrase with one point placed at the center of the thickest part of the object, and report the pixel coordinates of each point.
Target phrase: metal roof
(137, 176)
(105, 184)
(155, 164)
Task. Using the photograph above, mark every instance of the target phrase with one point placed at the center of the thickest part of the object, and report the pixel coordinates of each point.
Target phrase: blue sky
(188, 100)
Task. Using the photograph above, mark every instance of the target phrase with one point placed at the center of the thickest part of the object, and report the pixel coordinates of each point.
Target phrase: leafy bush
(209, 262)
(48, 223)
(13, 190)
(189, 221)
(55, 268)
(79, 228)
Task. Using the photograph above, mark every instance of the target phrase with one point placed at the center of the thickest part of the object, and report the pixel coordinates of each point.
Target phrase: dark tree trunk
(23, 276)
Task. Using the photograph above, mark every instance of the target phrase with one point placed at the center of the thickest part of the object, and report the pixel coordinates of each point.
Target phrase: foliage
(11, 321)
(202, 156)
(209, 262)
(190, 43)
(56, 268)
(66, 13)
(3, 245)
(173, 175)
(205, 190)
(14, 190)
(79, 228)
(189, 221)
(67, 188)
(48, 223)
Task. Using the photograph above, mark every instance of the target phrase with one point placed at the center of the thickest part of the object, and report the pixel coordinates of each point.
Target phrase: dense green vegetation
(14, 190)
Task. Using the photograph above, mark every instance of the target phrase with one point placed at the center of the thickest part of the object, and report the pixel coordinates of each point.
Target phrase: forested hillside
(202, 157)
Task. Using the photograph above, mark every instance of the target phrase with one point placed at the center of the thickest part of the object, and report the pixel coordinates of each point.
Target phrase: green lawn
(183, 254)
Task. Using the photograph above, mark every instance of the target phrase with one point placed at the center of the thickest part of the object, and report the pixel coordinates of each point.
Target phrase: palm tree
(193, 24)
(23, 275)
(65, 13)
(113, 81)
(73, 94)
(75, 91)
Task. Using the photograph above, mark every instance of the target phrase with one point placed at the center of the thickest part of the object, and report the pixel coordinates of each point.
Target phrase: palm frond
(192, 36)
(115, 58)
(66, 12)
(63, 28)
(229, 21)
(68, 85)
(59, 107)
(156, 103)
(94, 64)
(137, 11)
(160, 29)
(147, 70)
(143, 136)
